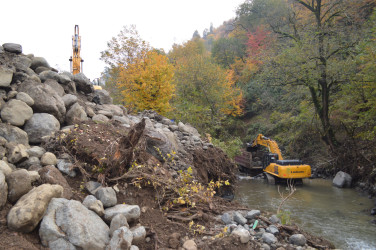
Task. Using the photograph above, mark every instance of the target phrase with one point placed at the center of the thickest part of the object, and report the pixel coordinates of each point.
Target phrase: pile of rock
(248, 226)
(36, 101)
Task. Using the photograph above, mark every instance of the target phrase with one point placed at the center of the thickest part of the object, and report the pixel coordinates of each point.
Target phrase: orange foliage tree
(146, 83)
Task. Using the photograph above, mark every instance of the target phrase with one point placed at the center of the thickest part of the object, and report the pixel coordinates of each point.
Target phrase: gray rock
(64, 79)
(41, 69)
(1, 49)
(25, 98)
(89, 111)
(157, 144)
(113, 109)
(17, 153)
(50, 174)
(107, 196)
(92, 186)
(272, 229)
(242, 233)
(133, 247)
(298, 239)
(139, 235)
(36, 151)
(106, 113)
(46, 100)
(102, 97)
(54, 84)
(22, 63)
(13, 48)
(41, 125)
(6, 76)
(269, 238)
(3, 190)
(48, 158)
(16, 112)
(69, 100)
(83, 83)
(100, 118)
(226, 218)
(60, 244)
(117, 222)
(29, 210)
(66, 167)
(72, 221)
(265, 247)
(94, 205)
(342, 179)
(39, 62)
(34, 176)
(49, 75)
(121, 239)
(274, 219)
(253, 214)
(11, 94)
(121, 119)
(131, 212)
(238, 218)
(13, 134)
(19, 183)
(188, 129)
(75, 114)
(70, 88)
(4, 167)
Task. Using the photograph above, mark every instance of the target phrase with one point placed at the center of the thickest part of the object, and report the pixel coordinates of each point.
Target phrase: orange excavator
(75, 59)
(274, 165)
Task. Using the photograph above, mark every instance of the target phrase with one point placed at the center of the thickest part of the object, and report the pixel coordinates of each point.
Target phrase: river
(340, 215)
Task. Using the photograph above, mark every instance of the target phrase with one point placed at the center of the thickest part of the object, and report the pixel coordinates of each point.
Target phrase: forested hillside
(302, 72)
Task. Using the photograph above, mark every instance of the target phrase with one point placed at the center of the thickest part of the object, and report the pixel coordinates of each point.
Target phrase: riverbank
(340, 215)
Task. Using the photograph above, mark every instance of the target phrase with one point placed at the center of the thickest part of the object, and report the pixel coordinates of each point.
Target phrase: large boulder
(101, 96)
(40, 125)
(112, 108)
(3, 190)
(269, 238)
(83, 83)
(17, 153)
(50, 174)
(6, 76)
(16, 112)
(29, 210)
(13, 134)
(157, 144)
(19, 183)
(39, 62)
(46, 100)
(69, 100)
(342, 179)
(13, 48)
(75, 114)
(72, 221)
(55, 85)
(22, 63)
(131, 212)
(25, 98)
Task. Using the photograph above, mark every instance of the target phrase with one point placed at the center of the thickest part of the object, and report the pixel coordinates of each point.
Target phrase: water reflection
(318, 207)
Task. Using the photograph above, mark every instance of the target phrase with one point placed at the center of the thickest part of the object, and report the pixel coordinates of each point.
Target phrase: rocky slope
(77, 172)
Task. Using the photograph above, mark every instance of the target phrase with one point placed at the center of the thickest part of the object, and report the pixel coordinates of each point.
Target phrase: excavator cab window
(269, 158)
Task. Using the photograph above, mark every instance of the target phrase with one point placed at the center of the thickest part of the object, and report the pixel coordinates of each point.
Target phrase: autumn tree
(205, 93)
(317, 38)
(121, 51)
(146, 83)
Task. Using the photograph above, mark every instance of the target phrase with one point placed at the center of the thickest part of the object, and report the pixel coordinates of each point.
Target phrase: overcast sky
(45, 27)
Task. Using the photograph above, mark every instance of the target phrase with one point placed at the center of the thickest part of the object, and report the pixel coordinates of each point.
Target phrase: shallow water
(339, 215)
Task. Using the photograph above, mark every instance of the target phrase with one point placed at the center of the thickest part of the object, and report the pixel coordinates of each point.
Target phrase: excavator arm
(75, 59)
(266, 142)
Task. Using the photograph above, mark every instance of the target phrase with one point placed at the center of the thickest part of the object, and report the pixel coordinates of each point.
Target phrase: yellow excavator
(273, 163)
(75, 59)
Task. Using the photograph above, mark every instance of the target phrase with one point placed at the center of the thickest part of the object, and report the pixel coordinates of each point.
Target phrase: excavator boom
(76, 60)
